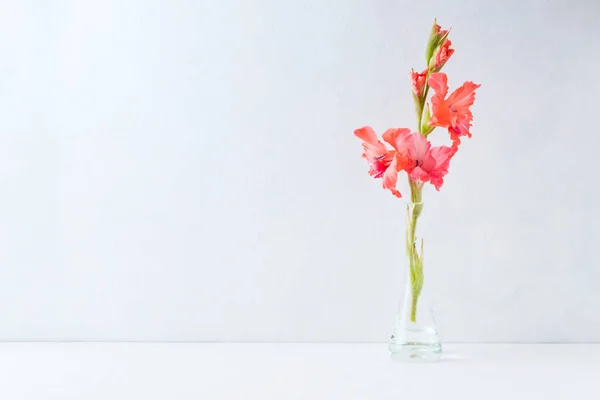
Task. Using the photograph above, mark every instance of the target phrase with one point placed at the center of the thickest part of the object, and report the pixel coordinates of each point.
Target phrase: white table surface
(199, 371)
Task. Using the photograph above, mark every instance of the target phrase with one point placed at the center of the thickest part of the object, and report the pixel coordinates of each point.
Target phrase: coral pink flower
(452, 113)
(442, 55)
(382, 161)
(418, 81)
(376, 153)
(416, 156)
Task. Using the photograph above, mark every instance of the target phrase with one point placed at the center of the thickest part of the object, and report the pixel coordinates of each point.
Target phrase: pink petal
(437, 181)
(397, 138)
(373, 148)
(390, 178)
(366, 134)
(439, 83)
(442, 156)
(418, 174)
(463, 97)
(420, 147)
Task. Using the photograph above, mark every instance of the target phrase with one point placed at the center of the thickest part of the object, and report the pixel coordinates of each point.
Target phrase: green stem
(414, 211)
(413, 309)
(415, 262)
(423, 100)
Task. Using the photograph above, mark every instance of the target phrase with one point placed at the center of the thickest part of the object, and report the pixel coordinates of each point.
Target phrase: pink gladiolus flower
(418, 81)
(452, 113)
(382, 161)
(416, 156)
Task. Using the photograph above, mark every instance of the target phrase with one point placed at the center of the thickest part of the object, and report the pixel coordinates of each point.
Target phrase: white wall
(186, 170)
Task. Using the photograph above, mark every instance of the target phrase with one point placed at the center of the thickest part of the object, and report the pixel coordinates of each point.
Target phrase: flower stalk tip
(437, 37)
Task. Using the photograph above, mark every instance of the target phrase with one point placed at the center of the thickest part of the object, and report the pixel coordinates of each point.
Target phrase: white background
(294, 371)
(186, 170)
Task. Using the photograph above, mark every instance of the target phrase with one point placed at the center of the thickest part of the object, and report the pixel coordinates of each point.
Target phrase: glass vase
(415, 336)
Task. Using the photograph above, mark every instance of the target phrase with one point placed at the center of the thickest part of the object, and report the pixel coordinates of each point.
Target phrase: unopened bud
(442, 55)
(418, 79)
(436, 38)
(425, 128)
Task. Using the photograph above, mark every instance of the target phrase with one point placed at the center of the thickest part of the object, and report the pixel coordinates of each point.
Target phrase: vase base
(415, 351)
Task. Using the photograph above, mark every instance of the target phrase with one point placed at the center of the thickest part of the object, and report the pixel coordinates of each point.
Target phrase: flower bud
(442, 55)
(418, 80)
(436, 38)
(425, 128)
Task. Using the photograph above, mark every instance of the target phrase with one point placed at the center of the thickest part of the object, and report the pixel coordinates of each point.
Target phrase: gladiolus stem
(415, 262)
(413, 309)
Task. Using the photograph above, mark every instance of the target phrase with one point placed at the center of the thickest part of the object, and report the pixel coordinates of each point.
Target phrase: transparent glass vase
(415, 336)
